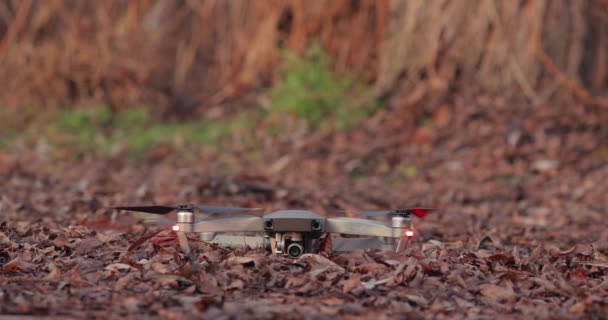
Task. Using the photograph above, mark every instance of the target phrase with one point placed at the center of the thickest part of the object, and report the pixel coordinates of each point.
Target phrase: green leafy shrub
(309, 90)
(98, 130)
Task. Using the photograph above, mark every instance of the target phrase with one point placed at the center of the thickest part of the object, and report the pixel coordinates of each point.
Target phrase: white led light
(175, 228)
(409, 233)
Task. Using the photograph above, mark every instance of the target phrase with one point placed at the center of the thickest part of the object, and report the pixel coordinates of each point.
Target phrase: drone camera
(295, 250)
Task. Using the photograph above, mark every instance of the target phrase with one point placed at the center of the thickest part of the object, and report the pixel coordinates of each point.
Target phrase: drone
(289, 232)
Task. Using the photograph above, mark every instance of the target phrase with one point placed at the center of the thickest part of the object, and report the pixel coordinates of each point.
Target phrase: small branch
(15, 27)
(572, 85)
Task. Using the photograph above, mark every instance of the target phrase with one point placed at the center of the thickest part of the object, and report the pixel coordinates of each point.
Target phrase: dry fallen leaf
(577, 308)
(122, 282)
(236, 284)
(491, 252)
(119, 267)
(352, 284)
(247, 261)
(55, 272)
(326, 244)
(320, 264)
(582, 249)
(332, 301)
(210, 288)
(160, 268)
(501, 293)
(87, 246)
(18, 264)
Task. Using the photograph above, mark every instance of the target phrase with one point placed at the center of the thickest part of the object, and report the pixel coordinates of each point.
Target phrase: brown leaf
(236, 284)
(601, 264)
(245, 261)
(352, 284)
(372, 268)
(18, 264)
(410, 270)
(499, 258)
(205, 302)
(577, 308)
(86, 246)
(419, 300)
(76, 281)
(54, 273)
(131, 303)
(578, 276)
(169, 281)
(209, 288)
(320, 264)
(332, 301)
(326, 244)
(504, 293)
(160, 268)
(119, 267)
(163, 240)
(582, 249)
(295, 282)
(122, 282)
(137, 243)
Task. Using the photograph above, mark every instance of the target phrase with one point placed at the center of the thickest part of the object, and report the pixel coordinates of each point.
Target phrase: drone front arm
(232, 224)
(241, 241)
(362, 227)
(351, 244)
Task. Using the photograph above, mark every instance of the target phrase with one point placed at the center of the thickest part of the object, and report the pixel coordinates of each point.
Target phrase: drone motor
(185, 216)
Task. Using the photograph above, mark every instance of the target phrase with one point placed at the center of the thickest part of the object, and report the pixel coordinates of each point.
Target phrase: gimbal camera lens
(295, 250)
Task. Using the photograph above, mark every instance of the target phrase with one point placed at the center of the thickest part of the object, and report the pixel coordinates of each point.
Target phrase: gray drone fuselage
(294, 232)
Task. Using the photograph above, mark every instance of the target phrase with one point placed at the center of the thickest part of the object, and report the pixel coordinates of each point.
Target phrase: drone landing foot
(183, 242)
(401, 245)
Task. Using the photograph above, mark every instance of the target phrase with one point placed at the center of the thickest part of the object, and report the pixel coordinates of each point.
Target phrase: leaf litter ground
(521, 229)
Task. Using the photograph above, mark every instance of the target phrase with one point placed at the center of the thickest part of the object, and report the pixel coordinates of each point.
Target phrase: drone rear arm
(351, 244)
(241, 241)
(362, 227)
(232, 224)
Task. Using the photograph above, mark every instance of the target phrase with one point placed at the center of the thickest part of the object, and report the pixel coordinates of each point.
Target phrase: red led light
(409, 233)
(175, 228)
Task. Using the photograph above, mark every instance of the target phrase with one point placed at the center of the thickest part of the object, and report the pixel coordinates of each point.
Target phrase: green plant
(98, 130)
(310, 90)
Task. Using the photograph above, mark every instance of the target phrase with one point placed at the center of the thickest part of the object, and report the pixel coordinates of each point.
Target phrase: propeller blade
(375, 213)
(219, 209)
(166, 209)
(161, 222)
(148, 209)
(419, 212)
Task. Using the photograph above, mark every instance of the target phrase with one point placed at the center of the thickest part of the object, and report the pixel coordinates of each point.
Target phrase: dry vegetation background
(495, 112)
(185, 55)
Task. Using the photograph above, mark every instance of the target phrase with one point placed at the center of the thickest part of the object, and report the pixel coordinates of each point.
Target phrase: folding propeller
(419, 212)
(161, 222)
(187, 207)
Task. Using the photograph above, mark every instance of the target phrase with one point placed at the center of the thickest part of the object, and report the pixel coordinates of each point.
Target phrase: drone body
(292, 232)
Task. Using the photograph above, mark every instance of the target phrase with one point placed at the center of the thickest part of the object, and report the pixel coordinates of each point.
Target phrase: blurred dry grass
(187, 56)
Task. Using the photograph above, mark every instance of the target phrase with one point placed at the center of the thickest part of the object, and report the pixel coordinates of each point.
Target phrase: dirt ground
(520, 232)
